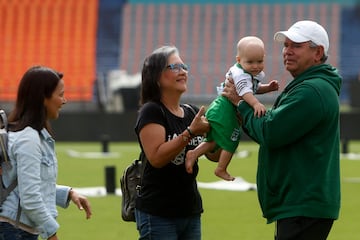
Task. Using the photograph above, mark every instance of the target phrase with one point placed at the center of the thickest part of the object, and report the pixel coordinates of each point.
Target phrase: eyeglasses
(177, 67)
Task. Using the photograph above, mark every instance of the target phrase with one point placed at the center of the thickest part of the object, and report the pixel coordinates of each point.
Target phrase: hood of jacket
(325, 72)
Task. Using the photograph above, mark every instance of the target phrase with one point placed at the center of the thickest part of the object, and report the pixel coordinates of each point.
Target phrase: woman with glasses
(169, 204)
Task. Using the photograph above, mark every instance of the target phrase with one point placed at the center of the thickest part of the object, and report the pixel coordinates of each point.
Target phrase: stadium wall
(119, 127)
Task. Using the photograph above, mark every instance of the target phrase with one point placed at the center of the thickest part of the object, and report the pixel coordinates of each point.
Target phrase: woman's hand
(230, 92)
(199, 125)
(81, 202)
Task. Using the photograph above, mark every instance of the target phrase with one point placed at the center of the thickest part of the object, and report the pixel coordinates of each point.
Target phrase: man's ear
(319, 53)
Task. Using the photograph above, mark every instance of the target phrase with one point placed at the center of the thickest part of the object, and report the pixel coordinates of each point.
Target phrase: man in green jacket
(298, 174)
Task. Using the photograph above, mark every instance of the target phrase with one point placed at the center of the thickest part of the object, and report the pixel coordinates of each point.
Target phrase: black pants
(302, 228)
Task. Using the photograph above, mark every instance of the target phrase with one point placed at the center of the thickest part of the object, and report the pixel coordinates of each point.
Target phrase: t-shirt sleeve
(243, 83)
(149, 113)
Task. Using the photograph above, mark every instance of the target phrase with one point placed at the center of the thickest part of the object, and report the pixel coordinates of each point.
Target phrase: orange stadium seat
(54, 33)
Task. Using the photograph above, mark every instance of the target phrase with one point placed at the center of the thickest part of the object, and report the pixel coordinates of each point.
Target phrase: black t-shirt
(169, 191)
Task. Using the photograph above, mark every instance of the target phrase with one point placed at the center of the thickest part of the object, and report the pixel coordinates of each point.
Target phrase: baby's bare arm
(268, 87)
(259, 108)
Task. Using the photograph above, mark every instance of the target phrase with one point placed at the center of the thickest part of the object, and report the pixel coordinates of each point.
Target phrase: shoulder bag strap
(191, 108)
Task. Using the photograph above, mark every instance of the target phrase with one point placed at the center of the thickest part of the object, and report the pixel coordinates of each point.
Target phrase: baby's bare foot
(221, 173)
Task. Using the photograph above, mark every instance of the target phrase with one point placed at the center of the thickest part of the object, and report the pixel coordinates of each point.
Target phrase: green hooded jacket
(299, 156)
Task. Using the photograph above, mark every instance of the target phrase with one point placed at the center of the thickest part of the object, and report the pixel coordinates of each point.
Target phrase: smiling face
(55, 102)
(174, 80)
(252, 59)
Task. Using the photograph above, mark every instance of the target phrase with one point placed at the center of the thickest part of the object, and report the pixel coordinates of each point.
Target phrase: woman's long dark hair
(152, 68)
(37, 84)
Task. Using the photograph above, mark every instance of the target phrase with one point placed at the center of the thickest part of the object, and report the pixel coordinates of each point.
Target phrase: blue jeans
(10, 232)
(152, 227)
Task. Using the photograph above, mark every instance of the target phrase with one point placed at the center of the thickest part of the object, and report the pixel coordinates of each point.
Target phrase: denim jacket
(33, 162)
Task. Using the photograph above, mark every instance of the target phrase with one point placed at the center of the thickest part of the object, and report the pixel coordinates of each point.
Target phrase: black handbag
(130, 183)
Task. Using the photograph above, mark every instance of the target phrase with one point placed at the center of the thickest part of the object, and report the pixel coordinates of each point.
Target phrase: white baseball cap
(303, 31)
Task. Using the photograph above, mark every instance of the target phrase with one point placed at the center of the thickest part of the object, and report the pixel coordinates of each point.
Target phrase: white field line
(350, 156)
(76, 154)
(239, 184)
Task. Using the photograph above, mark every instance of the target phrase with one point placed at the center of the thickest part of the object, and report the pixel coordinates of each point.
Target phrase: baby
(222, 115)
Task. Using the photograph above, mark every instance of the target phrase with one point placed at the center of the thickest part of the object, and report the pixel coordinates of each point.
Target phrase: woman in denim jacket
(33, 161)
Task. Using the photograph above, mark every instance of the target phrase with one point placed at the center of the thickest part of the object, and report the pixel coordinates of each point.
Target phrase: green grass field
(228, 214)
